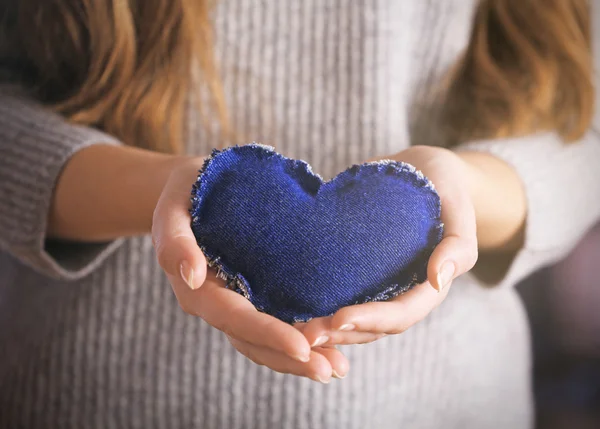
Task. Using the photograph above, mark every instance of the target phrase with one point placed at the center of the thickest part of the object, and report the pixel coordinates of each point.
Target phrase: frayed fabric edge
(233, 281)
(237, 283)
(399, 167)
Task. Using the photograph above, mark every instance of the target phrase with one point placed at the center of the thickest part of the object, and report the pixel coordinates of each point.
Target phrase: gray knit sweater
(91, 335)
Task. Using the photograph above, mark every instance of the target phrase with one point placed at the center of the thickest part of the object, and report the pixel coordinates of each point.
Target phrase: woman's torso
(334, 83)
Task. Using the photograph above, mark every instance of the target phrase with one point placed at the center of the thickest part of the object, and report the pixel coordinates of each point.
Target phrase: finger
(393, 316)
(339, 363)
(348, 338)
(316, 331)
(176, 248)
(319, 331)
(457, 252)
(317, 368)
(233, 314)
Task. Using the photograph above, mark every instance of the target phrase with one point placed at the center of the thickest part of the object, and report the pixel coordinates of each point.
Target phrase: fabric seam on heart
(236, 281)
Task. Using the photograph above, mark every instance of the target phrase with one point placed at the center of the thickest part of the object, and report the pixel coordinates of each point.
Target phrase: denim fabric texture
(299, 247)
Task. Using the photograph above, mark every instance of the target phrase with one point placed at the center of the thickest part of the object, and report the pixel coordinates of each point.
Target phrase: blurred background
(563, 303)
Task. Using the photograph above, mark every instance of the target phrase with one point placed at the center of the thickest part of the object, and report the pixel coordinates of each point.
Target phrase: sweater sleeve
(35, 145)
(562, 188)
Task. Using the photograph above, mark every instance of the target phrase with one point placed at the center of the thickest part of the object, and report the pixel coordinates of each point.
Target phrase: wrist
(499, 201)
(167, 166)
(106, 192)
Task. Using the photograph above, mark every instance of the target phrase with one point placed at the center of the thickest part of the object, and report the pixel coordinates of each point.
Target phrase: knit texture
(91, 336)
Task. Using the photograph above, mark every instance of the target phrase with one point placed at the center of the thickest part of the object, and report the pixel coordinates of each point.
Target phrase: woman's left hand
(455, 255)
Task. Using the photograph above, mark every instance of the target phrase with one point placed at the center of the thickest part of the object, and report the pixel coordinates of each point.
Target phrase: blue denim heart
(298, 247)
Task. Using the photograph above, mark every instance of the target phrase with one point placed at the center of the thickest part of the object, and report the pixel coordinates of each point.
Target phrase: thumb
(176, 248)
(457, 252)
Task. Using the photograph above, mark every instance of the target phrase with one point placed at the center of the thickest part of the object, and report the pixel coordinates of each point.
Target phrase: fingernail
(322, 380)
(336, 375)
(187, 274)
(303, 359)
(321, 340)
(445, 275)
(347, 327)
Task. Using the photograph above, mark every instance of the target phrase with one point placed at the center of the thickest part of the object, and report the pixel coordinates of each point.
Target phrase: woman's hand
(455, 255)
(262, 338)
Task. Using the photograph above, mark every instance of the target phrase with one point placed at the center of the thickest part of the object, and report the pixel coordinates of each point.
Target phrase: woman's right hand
(262, 338)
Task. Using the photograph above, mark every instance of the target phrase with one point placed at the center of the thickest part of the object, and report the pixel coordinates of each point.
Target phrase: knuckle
(271, 327)
(155, 230)
(381, 326)
(400, 325)
(373, 338)
(250, 354)
(187, 308)
(156, 213)
(226, 328)
(342, 317)
(473, 256)
(161, 253)
(395, 331)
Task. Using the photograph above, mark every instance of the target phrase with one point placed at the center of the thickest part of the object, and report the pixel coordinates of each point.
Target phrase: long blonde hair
(126, 66)
(528, 68)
